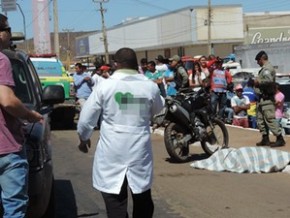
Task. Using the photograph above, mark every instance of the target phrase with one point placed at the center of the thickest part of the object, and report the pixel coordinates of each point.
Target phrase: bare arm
(237, 109)
(191, 80)
(279, 103)
(14, 106)
(159, 81)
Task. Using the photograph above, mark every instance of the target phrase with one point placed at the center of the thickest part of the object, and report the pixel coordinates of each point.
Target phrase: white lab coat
(96, 80)
(124, 147)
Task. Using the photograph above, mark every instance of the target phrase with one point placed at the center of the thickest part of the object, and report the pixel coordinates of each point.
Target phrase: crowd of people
(204, 72)
(235, 104)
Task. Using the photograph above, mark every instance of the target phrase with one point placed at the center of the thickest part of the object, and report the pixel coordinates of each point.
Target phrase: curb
(160, 130)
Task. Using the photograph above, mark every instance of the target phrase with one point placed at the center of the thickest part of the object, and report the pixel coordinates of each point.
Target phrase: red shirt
(11, 132)
(220, 79)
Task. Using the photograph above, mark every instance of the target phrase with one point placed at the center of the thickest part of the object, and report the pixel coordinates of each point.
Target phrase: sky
(84, 15)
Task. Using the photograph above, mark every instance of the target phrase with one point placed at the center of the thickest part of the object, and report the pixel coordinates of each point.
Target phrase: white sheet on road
(245, 160)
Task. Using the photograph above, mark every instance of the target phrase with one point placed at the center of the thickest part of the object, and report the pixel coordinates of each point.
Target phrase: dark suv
(29, 90)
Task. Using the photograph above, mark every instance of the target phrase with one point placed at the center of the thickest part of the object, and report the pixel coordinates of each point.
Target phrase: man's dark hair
(78, 65)
(203, 56)
(4, 22)
(261, 54)
(126, 58)
(250, 82)
(143, 61)
(211, 57)
(230, 86)
(152, 63)
(4, 26)
(160, 58)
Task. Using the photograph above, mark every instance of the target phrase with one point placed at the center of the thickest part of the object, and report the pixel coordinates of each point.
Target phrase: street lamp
(105, 40)
(24, 26)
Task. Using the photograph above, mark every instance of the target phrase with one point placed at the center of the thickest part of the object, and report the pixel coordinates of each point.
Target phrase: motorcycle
(188, 118)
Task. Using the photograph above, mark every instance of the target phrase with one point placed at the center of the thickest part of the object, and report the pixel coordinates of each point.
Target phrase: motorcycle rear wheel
(217, 137)
(179, 152)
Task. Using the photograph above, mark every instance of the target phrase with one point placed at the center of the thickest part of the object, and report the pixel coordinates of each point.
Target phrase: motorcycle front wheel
(216, 137)
(176, 146)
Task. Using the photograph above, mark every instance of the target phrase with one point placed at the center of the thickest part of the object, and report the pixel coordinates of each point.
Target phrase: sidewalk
(242, 137)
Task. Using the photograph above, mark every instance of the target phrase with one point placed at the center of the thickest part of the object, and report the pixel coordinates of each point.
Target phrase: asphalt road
(178, 190)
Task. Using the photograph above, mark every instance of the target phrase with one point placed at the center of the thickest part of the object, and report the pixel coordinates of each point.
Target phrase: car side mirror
(53, 94)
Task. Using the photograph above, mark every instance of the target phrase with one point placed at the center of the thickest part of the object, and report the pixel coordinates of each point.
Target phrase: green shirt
(154, 76)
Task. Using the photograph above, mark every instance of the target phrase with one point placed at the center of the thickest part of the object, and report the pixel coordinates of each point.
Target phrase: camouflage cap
(159, 58)
(174, 58)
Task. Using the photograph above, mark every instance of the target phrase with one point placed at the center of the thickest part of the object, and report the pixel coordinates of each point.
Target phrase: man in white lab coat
(123, 157)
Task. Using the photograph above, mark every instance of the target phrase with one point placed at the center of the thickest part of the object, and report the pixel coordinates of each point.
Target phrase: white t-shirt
(236, 101)
(161, 67)
(196, 81)
(97, 79)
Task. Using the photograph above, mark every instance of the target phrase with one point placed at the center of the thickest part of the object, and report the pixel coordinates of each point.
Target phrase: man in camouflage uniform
(180, 73)
(265, 89)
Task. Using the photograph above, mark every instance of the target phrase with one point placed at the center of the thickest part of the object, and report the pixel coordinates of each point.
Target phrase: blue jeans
(14, 184)
(252, 122)
(229, 112)
(218, 102)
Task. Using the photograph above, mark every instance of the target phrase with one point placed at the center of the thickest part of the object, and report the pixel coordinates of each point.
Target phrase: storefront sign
(268, 35)
(8, 5)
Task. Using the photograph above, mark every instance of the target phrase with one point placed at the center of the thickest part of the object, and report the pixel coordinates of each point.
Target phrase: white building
(183, 32)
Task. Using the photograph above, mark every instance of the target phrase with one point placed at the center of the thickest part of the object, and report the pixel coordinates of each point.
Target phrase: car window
(21, 87)
(48, 68)
(285, 89)
(35, 79)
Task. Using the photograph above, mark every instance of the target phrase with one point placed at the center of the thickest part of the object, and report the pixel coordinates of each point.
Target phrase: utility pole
(55, 26)
(209, 28)
(68, 49)
(24, 26)
(105, 40)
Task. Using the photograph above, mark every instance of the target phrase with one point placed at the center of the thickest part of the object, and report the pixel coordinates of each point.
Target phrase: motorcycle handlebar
(188, 91)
